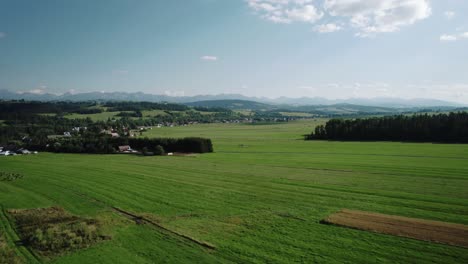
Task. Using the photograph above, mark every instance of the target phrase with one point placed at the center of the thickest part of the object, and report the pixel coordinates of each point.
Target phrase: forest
(451, 127)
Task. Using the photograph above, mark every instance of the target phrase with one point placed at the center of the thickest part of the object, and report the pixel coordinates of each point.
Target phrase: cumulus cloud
(40, 90)
(209, 58)
(37, 91)
(286, 11)
(446, 37)
(367, 17)
(174, 93)
(449, 14)
(449, 37)
(327, 28)
(377, 16)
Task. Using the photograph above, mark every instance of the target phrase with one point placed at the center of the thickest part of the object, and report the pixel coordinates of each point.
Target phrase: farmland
(259, 197)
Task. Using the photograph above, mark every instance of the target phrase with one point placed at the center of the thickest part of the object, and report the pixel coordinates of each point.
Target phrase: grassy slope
(259, 198)
(95, 117)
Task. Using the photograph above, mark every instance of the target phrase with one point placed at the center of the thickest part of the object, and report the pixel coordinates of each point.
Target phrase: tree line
(107, 145)
(452, 127)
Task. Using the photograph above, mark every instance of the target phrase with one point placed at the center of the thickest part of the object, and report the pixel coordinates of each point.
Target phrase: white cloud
(37, 91)
(378, 16)
(327, 28)
(2, 34)
(446, 37)
(209, 58)
(286, 11)
(40, 90)
(368, 17)
(174, 93)
(449, 14)
(307, 13)
(307, 88)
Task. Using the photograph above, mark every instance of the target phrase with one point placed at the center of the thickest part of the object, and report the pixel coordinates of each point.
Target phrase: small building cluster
(14, 152)
(126, 149)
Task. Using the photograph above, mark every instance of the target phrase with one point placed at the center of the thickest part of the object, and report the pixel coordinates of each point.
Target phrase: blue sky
(294, 48)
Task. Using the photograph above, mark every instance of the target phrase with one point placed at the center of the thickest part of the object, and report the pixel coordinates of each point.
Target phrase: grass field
(95, 117)
(296, 114)
(259, 198)
(151, 113)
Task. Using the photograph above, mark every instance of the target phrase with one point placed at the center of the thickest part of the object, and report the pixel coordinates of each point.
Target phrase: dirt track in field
(433, 231)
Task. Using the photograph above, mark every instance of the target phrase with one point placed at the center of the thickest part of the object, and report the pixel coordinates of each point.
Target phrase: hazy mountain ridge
(303, 101)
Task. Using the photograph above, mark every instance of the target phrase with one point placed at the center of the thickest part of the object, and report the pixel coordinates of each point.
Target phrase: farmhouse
(126, 149)
(7, 153)
(23, 151)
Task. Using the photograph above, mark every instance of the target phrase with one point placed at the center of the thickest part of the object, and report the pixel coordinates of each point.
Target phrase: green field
(95, 117)
(259, 198)
(151, 113)
(296, 114)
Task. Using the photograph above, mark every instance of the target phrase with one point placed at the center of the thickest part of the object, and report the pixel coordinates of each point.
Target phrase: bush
(159, 150)
(7, 254)
(52, 231)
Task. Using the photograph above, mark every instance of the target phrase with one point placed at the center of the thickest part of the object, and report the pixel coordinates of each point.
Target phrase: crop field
(260, 197)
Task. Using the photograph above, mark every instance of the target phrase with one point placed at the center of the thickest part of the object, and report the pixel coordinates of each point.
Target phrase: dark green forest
(452, 127)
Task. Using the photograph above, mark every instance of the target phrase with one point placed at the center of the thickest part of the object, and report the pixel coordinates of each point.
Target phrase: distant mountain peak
(282, 100)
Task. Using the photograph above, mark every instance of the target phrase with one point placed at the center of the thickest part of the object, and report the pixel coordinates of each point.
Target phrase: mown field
(259, 198)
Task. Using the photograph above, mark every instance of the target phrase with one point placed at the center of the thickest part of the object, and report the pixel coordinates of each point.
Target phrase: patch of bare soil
(427, 230)
(53, 231)
(184, 154)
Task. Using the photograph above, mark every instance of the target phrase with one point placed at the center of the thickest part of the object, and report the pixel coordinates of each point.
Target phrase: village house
(7, 153)
(23, 151)
(126, 149)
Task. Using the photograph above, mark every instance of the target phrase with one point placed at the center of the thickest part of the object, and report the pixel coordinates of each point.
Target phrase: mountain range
(303, 101)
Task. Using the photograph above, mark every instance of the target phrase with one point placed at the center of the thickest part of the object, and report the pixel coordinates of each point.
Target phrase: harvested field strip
(439, 232)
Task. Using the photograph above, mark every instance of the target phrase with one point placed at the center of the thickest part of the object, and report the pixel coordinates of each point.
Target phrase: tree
(159, 150)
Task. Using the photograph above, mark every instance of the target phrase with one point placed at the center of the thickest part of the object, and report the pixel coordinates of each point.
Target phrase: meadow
(258, 198)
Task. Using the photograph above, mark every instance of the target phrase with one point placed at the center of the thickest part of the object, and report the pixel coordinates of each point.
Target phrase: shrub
(159, 150)
(7, 254)
(51, 231)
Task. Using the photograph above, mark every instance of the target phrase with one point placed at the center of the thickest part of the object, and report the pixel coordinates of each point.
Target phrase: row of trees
(10, 109)
(107, 145)
(451, 127)
(140, 106)
(187, 145)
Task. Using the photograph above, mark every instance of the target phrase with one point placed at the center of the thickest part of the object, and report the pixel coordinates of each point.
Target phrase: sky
(267, 48)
